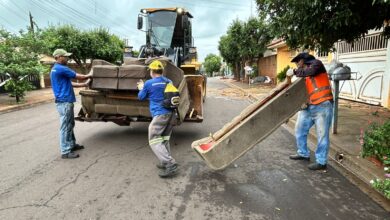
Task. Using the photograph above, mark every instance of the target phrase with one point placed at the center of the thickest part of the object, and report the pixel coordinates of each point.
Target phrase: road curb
(350, 168)
(24, 106)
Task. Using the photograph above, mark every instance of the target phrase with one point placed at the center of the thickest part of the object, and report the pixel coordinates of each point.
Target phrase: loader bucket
(195, 84)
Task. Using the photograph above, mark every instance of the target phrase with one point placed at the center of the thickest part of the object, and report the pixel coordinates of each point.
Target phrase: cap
(61, 53)
(156, 65)
(305, 56)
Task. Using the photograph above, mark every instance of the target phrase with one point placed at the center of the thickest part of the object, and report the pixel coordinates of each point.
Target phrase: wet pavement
(116, 177)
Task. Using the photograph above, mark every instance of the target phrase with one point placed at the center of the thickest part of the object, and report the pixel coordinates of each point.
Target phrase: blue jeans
(321, 116)
(67, 138)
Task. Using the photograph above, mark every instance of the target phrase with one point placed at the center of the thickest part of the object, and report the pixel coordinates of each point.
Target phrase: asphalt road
(116, 177)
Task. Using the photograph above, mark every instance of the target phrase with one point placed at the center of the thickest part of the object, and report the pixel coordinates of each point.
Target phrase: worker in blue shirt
(62, 86)
(160, 128)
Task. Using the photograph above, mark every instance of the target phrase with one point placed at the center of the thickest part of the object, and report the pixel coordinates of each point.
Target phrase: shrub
(282, 74)
(376, 141)
(255, 71)
(382, 186)
(18, 88)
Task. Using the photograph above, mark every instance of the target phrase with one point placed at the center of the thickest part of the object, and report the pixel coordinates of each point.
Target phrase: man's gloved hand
(290, 72)
(140, 84)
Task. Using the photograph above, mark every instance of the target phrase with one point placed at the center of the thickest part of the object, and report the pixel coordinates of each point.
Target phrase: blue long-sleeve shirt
(154, 91)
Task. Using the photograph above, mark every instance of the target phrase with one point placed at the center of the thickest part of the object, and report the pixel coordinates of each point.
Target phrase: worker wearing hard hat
(318, 110)
(160, 128)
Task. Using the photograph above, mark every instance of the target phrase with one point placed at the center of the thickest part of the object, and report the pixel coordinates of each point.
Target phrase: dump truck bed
(253, 125)
(113, 93)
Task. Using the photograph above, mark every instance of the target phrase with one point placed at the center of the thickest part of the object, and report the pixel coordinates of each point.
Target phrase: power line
(225, 3)
(21, 9)
(15, 12)
(99, 12)
(67, 15)
(123, 31)
(51, 10)
(239, 8)
(80, 15)
(10, 27)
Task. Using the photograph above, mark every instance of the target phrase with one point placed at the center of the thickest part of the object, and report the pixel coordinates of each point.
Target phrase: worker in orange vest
(317, 111)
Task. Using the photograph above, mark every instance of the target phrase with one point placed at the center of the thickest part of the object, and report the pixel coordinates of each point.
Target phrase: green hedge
(282, 74)
(376, 141)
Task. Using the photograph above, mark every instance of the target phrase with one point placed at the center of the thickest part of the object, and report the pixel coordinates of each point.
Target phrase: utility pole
(31, 23)
(251, 7)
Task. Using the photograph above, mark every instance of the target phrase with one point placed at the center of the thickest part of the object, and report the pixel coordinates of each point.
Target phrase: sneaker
(77, 147)
(317, 166)
(298, 157)
(169, 171)
(163, 165)
(160, 166)
(70, 155)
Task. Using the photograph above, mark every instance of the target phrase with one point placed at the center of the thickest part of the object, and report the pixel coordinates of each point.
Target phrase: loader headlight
(192, 50)
(143, 11)
(180, 10)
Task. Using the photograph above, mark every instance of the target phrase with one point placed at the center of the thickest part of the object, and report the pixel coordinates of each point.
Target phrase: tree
(212, 63)
(254, 39)
(229, 46)
(319, 24)
(135, 53)
(243, 42)
(18, 61)
(228, 50)
(84, 45)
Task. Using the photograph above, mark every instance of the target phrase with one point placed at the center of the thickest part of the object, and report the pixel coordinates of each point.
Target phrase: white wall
(373, 66)
(386, 81)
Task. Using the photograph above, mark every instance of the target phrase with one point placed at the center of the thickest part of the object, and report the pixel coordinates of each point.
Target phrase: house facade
(368, 58)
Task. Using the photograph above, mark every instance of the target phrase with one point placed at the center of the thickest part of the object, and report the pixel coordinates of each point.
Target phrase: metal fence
(372, 42)
(33, 79)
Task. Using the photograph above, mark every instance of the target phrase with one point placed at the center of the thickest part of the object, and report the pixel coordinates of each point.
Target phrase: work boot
(70, 155)
(298, 157)
(317, 166)
(77, 147)
(169, 171)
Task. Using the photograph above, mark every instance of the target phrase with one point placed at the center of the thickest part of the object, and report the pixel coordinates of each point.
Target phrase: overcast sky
(210, 22)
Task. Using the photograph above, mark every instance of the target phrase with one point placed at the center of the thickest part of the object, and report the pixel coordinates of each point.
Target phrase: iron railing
(33, 79)
(372, 42)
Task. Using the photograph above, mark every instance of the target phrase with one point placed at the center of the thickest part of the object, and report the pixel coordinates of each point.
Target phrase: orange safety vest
(318, 88)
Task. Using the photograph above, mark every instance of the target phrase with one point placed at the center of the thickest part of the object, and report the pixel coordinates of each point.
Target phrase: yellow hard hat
(156, 65)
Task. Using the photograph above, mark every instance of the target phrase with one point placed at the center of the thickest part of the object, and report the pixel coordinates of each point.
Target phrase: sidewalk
(32, 98)
(344, 153)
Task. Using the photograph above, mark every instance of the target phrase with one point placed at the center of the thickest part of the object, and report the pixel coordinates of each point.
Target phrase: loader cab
(168, 32)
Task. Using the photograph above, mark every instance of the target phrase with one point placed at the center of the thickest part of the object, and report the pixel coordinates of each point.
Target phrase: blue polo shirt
(61, 83)
(154, 91)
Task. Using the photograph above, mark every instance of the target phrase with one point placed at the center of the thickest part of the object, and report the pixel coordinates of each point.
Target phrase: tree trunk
(81, 65)
(237, 71)
(84, 68)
